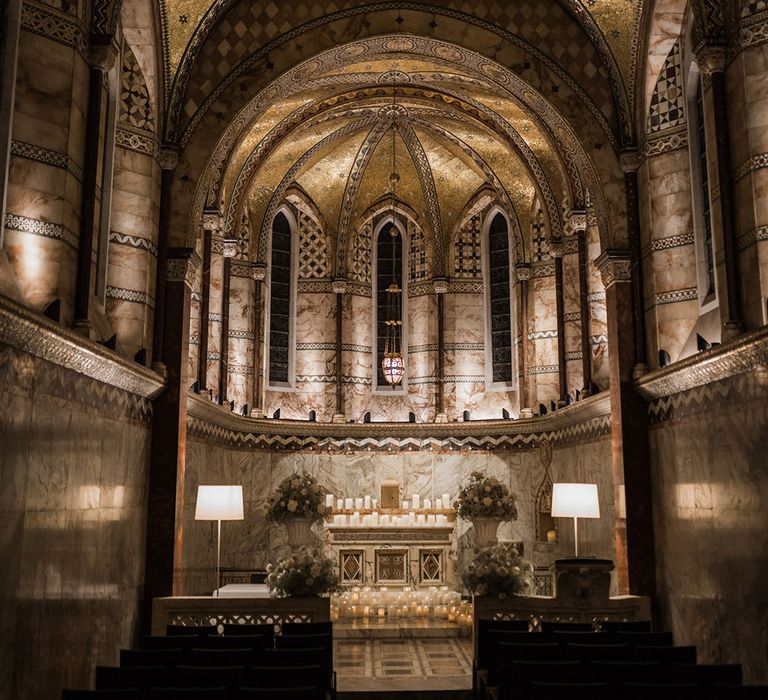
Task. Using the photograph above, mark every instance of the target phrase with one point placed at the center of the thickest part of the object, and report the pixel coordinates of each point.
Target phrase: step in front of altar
(403, 629)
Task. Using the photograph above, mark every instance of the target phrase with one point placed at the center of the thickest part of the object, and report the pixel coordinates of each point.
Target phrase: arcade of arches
(204, 202)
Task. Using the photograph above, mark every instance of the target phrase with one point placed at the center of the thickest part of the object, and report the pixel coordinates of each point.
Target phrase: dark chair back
(583, 637)
(645, 639)
(176, 630)
(101, 695)
(267, 631)
(222, 658)
(625, 626)
(184, 676)
(661, 691)
(190, 694)
(151, 657)
(245, 641)
(305, 676)
(140, 678)
(305, 693)
(540, 690)
(706, 674)
(516, 677)
(307, 628)
(616, 673)
(598, 652)
(551, 626)
(186, 642)
(668, 655)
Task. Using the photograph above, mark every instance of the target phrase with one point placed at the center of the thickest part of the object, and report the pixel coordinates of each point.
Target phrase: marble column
(241, 334)
(712, 63)
(440, 286)
(259, 275)
(522, 275)
(224, 340)
(212, 223)
(169, 160)
(339, 288)
(586, 350)
(169, 435)
(556, 251)
(630, 457)
(205, 301)
(9, 47)
(630, 162)
(102, 59)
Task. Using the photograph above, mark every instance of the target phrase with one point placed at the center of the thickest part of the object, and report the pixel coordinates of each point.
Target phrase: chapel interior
(388, 244)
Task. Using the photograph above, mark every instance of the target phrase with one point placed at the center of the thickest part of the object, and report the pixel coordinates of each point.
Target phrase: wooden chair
(151, 657)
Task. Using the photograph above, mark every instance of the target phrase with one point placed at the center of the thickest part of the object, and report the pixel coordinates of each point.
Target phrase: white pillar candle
(446, 501)
(329, 500)
(416, 500)
(359, 503)
(405, 505)
(349, 503)
(427, 503)
(340, 503)
(439, 503)
(411, 518)
(375, 518)
(367, 502)
(421, 519)
(355, 519)
(431, 520)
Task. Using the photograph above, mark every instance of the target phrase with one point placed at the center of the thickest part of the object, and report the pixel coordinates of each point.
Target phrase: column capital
(711, 59)
(259, 271)
(522, 272)
(169, 156)
(556, 248)
(102, 56)
(231, 247)
(630, 160)
(574, 221)
(212, 220)
(440, 285)
(339, 285)
(182, 265)
(615, 266)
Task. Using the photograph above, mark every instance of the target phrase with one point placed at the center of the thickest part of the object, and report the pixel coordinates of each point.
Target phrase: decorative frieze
(757, 162)
(43, 20)
(241, 335)
(137, 140)
(672, 297)
(615, 266)
(183, 269)
(542, 335)
(23, 224)
(751, 237)
(543, 369)
(39, 154)
(130, 295)
(133, 242)
(667, 141)
(668, 242)
(465, 287)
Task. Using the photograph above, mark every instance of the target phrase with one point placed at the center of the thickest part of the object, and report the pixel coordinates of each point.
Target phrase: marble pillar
(241, 335)
(635, 565)
(212, 224)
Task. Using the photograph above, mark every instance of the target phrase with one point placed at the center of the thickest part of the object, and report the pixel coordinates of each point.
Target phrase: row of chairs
(247, 662)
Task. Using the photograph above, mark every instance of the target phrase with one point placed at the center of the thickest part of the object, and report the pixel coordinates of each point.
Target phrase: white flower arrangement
(298, 496)
(498, 571)
(308, 572)
(485, 497)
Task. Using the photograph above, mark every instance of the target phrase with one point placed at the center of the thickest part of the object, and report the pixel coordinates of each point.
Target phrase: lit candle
(431, 521)
(349, 503)
(405, 505)
(439, 503)
(551, 536)
(416, 499)
(359, 503)
(329, 500)
(421, 519)
(340, 503)
(446, 501)
(367, 502)
(427, 503)
(382, 612)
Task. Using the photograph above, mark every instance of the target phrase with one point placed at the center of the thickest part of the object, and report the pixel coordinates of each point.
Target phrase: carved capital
(211, 220)
(575, 221)
(440, 285)
(630, 160)
(556, 248)
(102, 56)
(339, 286)
(169, 157)
(259, 272)
(230, 247)
(522, 272)
(711, 59)
(182, 265)
(615, 266)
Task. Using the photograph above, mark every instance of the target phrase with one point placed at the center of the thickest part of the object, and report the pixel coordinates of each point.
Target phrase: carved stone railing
(196, 611)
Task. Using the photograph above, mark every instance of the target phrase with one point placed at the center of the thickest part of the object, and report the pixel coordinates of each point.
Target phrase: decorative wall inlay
(31, 333)
(667, 141)
(313, 248)
(135, 106)
(130, 295)
(241, 269)
(44, 155)
(417, 264)
(13, 222)
(214, 356)
(595, 297)
(359, 290)
(672, 297)
(43, 20)
(543, 369)
(587, 420)
(183, 269)
(137, 140)
(465, 287)
(573, 355)
(359, 266)
(300, 347)
(453, 347)
(615, 266)
(667, 107)
(540, 335)
(420, 289)
(133, 242)
(241, 335)
(744, 354)
(315, 287)
(751, 237)
(214, 317)
(239, 369)
(668, 242)
(542, 269)
(752, 32)
(572, 316)
(757, 162)
(467, 251)
(431, 347)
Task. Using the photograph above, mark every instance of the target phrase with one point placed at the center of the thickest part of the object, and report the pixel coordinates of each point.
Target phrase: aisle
(388, 665)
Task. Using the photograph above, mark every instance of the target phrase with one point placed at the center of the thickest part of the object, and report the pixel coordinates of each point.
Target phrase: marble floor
(367, 665)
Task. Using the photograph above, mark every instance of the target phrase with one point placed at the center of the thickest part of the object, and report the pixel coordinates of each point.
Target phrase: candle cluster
(364, 511)
(381, 604)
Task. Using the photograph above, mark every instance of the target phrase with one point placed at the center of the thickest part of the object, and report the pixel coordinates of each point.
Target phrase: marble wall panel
(710, 497)
(72, 516)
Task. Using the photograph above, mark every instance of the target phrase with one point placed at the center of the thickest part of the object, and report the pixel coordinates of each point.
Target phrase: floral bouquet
(498, 571)
(298, 496)
(308, 572)
(485, 497)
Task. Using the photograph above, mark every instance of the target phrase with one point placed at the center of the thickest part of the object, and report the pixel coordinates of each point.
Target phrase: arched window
(280, 302)
(499, 300)
(389, 269)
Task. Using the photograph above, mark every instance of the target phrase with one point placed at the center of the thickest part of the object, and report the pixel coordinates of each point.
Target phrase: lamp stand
(576, 536)
(218, 556)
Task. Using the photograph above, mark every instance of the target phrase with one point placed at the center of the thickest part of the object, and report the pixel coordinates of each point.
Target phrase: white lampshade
(219, 503)
(575, 501)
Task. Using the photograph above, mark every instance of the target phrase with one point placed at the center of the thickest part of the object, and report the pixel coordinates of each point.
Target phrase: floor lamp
(575, 501)
(219, 503)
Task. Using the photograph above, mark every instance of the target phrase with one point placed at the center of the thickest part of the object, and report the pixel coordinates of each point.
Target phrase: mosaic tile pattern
(417, 268)
(667, 102)
(135, 107)
(402, 658)
(467, 249)
(313, 249)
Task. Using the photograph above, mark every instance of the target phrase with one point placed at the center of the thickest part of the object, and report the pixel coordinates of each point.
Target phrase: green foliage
(308, 572)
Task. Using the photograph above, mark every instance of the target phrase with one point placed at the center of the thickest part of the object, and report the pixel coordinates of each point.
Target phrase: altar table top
(243, 590)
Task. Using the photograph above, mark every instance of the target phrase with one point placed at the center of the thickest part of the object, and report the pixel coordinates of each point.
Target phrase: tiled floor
(403, 664)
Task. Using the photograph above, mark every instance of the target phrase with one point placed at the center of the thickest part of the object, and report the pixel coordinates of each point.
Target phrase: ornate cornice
(746, 353)
(29, 332)
(587, 420)
(182, 265)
